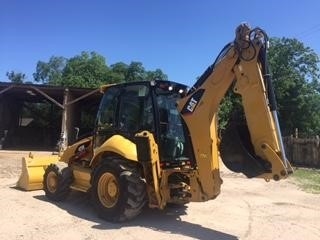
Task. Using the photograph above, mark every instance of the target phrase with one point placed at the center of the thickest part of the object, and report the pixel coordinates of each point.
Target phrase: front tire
(56, 182)
(118, 191)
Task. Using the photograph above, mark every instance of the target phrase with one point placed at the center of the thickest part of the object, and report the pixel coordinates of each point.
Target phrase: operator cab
(129, 108)
(174, 141)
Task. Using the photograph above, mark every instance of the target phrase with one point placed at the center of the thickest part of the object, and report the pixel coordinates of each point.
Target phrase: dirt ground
(245, 209)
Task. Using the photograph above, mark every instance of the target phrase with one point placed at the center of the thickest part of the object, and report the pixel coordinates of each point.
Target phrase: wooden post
(63, 143)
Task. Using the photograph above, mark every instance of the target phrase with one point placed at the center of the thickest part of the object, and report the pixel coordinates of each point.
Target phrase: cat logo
(192, 103)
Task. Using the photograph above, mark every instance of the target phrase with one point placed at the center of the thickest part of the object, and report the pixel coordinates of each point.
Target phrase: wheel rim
(108, 190)
(52, 182)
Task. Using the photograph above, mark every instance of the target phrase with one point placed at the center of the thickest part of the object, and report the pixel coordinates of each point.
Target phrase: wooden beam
(82, 97)
(47, 96)
(7, 89)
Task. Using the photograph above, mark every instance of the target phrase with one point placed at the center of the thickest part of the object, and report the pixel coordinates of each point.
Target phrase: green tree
(118, 72)
(16, 77)
(85, 70)
(296, 79)
(90, 70)
(156, 75)
(50, 72)
(135, 72)
(121, 72)
(229, 104)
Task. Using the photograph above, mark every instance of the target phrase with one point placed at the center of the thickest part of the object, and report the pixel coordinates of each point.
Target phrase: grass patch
(308, 179)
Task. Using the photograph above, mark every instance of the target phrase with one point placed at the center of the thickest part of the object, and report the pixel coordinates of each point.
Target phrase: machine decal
(193, 102)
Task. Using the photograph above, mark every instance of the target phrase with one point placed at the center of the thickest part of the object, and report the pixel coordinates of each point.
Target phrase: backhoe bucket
(237, 152)
(33, 170)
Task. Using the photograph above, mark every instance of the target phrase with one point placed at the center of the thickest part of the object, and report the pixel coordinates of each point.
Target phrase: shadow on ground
(168, 220)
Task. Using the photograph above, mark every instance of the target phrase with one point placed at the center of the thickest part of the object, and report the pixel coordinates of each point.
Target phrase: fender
(119, 145)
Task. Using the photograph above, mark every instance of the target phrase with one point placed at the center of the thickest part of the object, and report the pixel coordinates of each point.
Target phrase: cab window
(106, 118)
(135, 110)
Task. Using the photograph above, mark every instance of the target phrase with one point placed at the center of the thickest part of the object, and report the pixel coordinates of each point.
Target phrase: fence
(303, 151)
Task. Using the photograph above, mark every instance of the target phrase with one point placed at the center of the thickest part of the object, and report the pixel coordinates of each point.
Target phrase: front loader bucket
(33, 170)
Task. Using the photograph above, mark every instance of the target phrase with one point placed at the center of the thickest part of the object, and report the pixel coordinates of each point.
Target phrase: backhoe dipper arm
(243, 65)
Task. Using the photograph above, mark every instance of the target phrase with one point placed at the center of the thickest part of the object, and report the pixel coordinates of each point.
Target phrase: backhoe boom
(260, 153)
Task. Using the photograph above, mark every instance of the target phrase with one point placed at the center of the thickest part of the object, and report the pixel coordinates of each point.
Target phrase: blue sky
(181, 37)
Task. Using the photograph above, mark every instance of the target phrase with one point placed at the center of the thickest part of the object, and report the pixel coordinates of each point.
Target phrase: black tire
(56, 182)
(177, 205)
(118, 191)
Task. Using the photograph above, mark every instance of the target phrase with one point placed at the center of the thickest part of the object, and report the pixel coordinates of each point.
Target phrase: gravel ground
(245, 209)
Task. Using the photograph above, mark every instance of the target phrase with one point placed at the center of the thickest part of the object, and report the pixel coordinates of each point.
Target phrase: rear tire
(118, 191)
(56, 182)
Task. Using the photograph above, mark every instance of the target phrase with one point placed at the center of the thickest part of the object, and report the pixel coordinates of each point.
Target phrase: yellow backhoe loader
(157, 142)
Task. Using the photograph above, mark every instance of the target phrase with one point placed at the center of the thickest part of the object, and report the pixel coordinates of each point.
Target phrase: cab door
(106, 123)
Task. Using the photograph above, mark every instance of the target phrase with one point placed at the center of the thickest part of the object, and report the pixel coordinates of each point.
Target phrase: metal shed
(36, 117)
